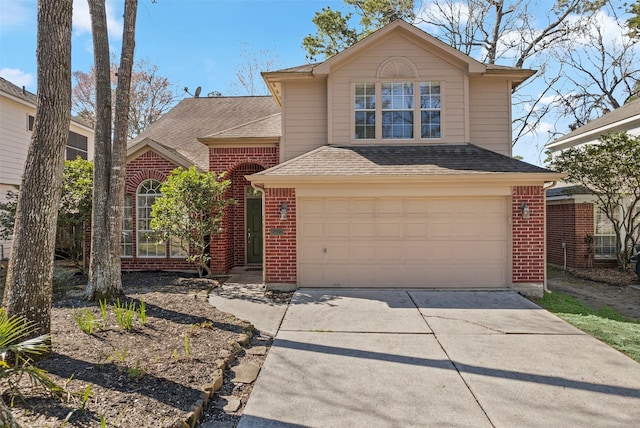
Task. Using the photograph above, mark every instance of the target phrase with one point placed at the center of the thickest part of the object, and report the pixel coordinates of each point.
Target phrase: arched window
(147, 238)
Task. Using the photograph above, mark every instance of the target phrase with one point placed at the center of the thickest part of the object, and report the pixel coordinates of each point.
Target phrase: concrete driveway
(401, 358)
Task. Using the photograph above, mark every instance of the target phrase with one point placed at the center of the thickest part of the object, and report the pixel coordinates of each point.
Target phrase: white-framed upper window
(365, 110)
(396, 105)
(397, 110)
(604, 235)
(149, 243)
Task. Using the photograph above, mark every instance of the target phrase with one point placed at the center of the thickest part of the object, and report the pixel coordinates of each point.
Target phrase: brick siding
(528, 235)
(280, 249)
(571, 222)
(149, 165)
(228, 249)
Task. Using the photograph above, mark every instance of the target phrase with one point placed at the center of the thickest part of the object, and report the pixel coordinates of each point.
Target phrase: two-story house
(17, 116)
(579, 234)
(388, 165)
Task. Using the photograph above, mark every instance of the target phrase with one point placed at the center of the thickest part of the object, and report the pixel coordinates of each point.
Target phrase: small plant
(121, 356)
(83, 403)
(85, 320)
(137, 372)
(103, 311)
(203, 324)
(187, 345)
(124, 314)
(14, 332)
(142, 312)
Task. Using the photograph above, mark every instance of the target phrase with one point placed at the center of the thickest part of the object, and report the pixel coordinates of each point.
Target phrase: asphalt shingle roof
(193, 118)
(621, 113)
(399, 160)
(20, 93)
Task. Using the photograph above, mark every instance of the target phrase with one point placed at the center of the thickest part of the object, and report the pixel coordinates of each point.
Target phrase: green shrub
(16, 345)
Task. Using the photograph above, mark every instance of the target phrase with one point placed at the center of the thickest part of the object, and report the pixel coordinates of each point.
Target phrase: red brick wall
(570, 223)
(228, 158)
(146, 166)
(528, 235)
(229, 249)
(280, 250)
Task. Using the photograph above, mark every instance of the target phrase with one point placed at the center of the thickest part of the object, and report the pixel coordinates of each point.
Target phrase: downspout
(544, 279)
(260, 189)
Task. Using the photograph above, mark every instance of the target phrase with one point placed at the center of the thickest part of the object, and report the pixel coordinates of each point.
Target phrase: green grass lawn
(606, 324)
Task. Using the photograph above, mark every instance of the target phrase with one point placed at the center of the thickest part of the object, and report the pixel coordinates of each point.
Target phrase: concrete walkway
(398, 358)
(243, 295)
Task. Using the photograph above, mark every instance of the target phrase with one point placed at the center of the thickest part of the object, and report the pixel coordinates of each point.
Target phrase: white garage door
(403, 242)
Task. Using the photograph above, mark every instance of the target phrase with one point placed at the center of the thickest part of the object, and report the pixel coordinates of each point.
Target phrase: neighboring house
(17, 116)
(388, 165)
(572, 214)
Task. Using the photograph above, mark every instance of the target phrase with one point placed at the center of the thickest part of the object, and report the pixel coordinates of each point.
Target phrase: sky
(192, 42)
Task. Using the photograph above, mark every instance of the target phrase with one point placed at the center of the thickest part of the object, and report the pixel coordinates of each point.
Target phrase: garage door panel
(389, 252)
(363, 253)
(410, 242)
(338, 206)
(363, 206)
(415, 229)
(363, 229)
(337, 229)
(389, 229)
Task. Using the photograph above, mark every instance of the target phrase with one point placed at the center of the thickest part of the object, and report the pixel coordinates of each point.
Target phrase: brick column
(528, 240)
(280, 239)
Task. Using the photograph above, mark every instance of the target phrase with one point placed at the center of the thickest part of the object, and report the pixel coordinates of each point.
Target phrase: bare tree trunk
(105, 281)
(29, 278)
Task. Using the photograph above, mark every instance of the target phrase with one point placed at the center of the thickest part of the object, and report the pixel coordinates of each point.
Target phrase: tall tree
(29, 277)
(151, 94)
(333, 30)
(634, 21)
(250, 81)
(601, 70)
(105, 280)
(610, 170)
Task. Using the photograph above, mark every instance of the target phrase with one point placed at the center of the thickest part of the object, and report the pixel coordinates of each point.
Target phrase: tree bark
(105, 281)
(29, 277)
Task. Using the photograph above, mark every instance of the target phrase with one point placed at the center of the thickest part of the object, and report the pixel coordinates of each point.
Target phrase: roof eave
(235, 141)
(510, 178)
(148, 144)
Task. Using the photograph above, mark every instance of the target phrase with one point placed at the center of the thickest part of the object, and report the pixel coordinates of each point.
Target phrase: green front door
(254, 231)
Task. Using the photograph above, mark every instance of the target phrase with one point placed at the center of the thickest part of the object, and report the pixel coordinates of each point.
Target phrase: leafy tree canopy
(611, 172)
(335, 34)
(190, 211)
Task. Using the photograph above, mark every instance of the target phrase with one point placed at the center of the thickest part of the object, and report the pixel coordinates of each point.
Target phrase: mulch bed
(150, 376)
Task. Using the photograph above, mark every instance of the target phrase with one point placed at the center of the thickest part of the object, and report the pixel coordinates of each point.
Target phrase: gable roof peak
(399, 25)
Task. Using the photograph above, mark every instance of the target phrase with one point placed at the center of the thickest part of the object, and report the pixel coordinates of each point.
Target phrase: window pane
(604, 235)
(365, 111)
(397, 110)
(149, 244)
(430, 103)
(127, 228)
(397, 124)
(430, 124)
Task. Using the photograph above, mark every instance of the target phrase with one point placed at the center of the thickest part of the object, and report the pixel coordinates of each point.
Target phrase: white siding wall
(304, 115)
(490, 114)
(14, 144)
(430, 67)
(14, 139)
